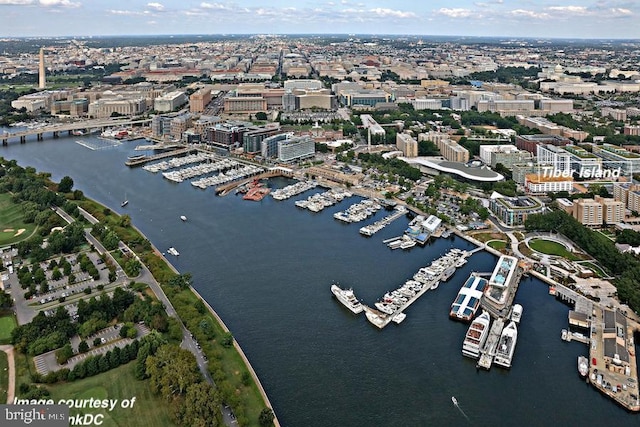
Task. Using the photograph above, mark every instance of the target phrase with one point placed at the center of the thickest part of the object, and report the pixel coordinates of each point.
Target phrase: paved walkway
(11, 389)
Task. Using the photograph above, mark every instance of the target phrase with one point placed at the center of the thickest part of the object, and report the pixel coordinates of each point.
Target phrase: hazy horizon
(564, 19)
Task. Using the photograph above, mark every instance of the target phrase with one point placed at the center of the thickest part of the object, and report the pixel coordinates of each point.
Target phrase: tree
(83, 347)
(66, 184)
(172, 370)
(201, 406)
(266, 417)
(63, 354)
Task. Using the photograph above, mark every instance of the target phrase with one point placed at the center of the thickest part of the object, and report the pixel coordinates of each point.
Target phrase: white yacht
(506, 345)
(173, 251)
(476, 336)
(347, 298)
(516, 313)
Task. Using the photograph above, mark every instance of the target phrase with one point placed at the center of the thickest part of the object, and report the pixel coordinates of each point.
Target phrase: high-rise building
(42, 82)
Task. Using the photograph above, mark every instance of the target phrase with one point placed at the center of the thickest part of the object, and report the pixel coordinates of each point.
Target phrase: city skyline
(609, 19)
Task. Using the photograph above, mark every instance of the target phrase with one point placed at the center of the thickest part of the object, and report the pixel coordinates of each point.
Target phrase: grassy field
(595, 268)
(120, 384)
(550, 247)
(12, 229)
(497, 244)
(4, 376)
(7, 324)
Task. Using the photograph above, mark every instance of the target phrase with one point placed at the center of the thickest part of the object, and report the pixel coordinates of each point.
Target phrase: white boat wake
(455, 403)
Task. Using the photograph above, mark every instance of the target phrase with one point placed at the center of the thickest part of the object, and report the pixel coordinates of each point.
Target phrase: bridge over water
(56, 128)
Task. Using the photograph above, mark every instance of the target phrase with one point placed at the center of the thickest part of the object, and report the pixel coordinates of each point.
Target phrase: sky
(608, 19)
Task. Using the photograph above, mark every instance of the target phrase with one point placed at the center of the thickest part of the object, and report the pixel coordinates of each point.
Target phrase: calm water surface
(266, 268)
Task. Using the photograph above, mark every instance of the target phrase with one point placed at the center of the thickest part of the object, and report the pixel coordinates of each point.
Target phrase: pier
(371, 229)
(449, 260)
(489, 350)
(147, 159)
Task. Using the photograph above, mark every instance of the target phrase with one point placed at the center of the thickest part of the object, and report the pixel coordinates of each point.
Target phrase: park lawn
(120, 384)
(497, 244)
(11, 222)
(552, 248)
(595, 268)
(7, 324)
(4, 376)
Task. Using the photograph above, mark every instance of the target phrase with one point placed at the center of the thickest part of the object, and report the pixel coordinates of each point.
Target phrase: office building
(531, 142)
(507, 155)
(169, 102)
(199, 100)
(514, 211)
(296, 148)
(541, 183)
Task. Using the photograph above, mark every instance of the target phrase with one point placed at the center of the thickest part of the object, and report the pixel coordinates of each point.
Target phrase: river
(266, 268)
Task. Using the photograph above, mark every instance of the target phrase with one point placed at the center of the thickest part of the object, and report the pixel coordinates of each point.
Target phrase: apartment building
(452, 151)
(407, 144)
(507, 155)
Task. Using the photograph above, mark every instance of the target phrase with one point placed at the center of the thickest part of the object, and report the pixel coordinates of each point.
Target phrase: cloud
(59, 3)
(156, 6)
(522, 13)
(124, 12)
(214, 6)
(570, 10)
(389, 13)
(15, 2)
(455, 13)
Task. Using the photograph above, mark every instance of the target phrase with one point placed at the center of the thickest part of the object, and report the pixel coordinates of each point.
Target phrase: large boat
(347, 298)
(583, 366)
(467, 302)
(506, 345)
(476, 336)
(448, 273)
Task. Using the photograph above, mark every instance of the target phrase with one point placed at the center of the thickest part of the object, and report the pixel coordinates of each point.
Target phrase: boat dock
(371, 229)
(488, 352)
(147, 159)
(422, 282)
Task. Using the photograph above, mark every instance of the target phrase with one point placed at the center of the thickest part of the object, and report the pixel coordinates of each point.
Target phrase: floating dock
(371, 229)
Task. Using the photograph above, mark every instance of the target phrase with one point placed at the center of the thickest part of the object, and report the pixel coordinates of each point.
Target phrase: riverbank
(231, 365)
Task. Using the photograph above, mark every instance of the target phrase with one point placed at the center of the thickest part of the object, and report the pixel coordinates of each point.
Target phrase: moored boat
(468, 300)
(347, 298)
(516, 313)
(583, 366)
(506, 345)
(476, 336)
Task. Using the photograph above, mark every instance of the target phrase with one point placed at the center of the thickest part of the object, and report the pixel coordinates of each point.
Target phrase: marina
(371, 229)
(393, 303)
(358, 211)
(319, 201)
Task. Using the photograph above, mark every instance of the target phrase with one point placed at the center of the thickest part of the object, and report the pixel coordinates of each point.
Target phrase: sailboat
(125, 202)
